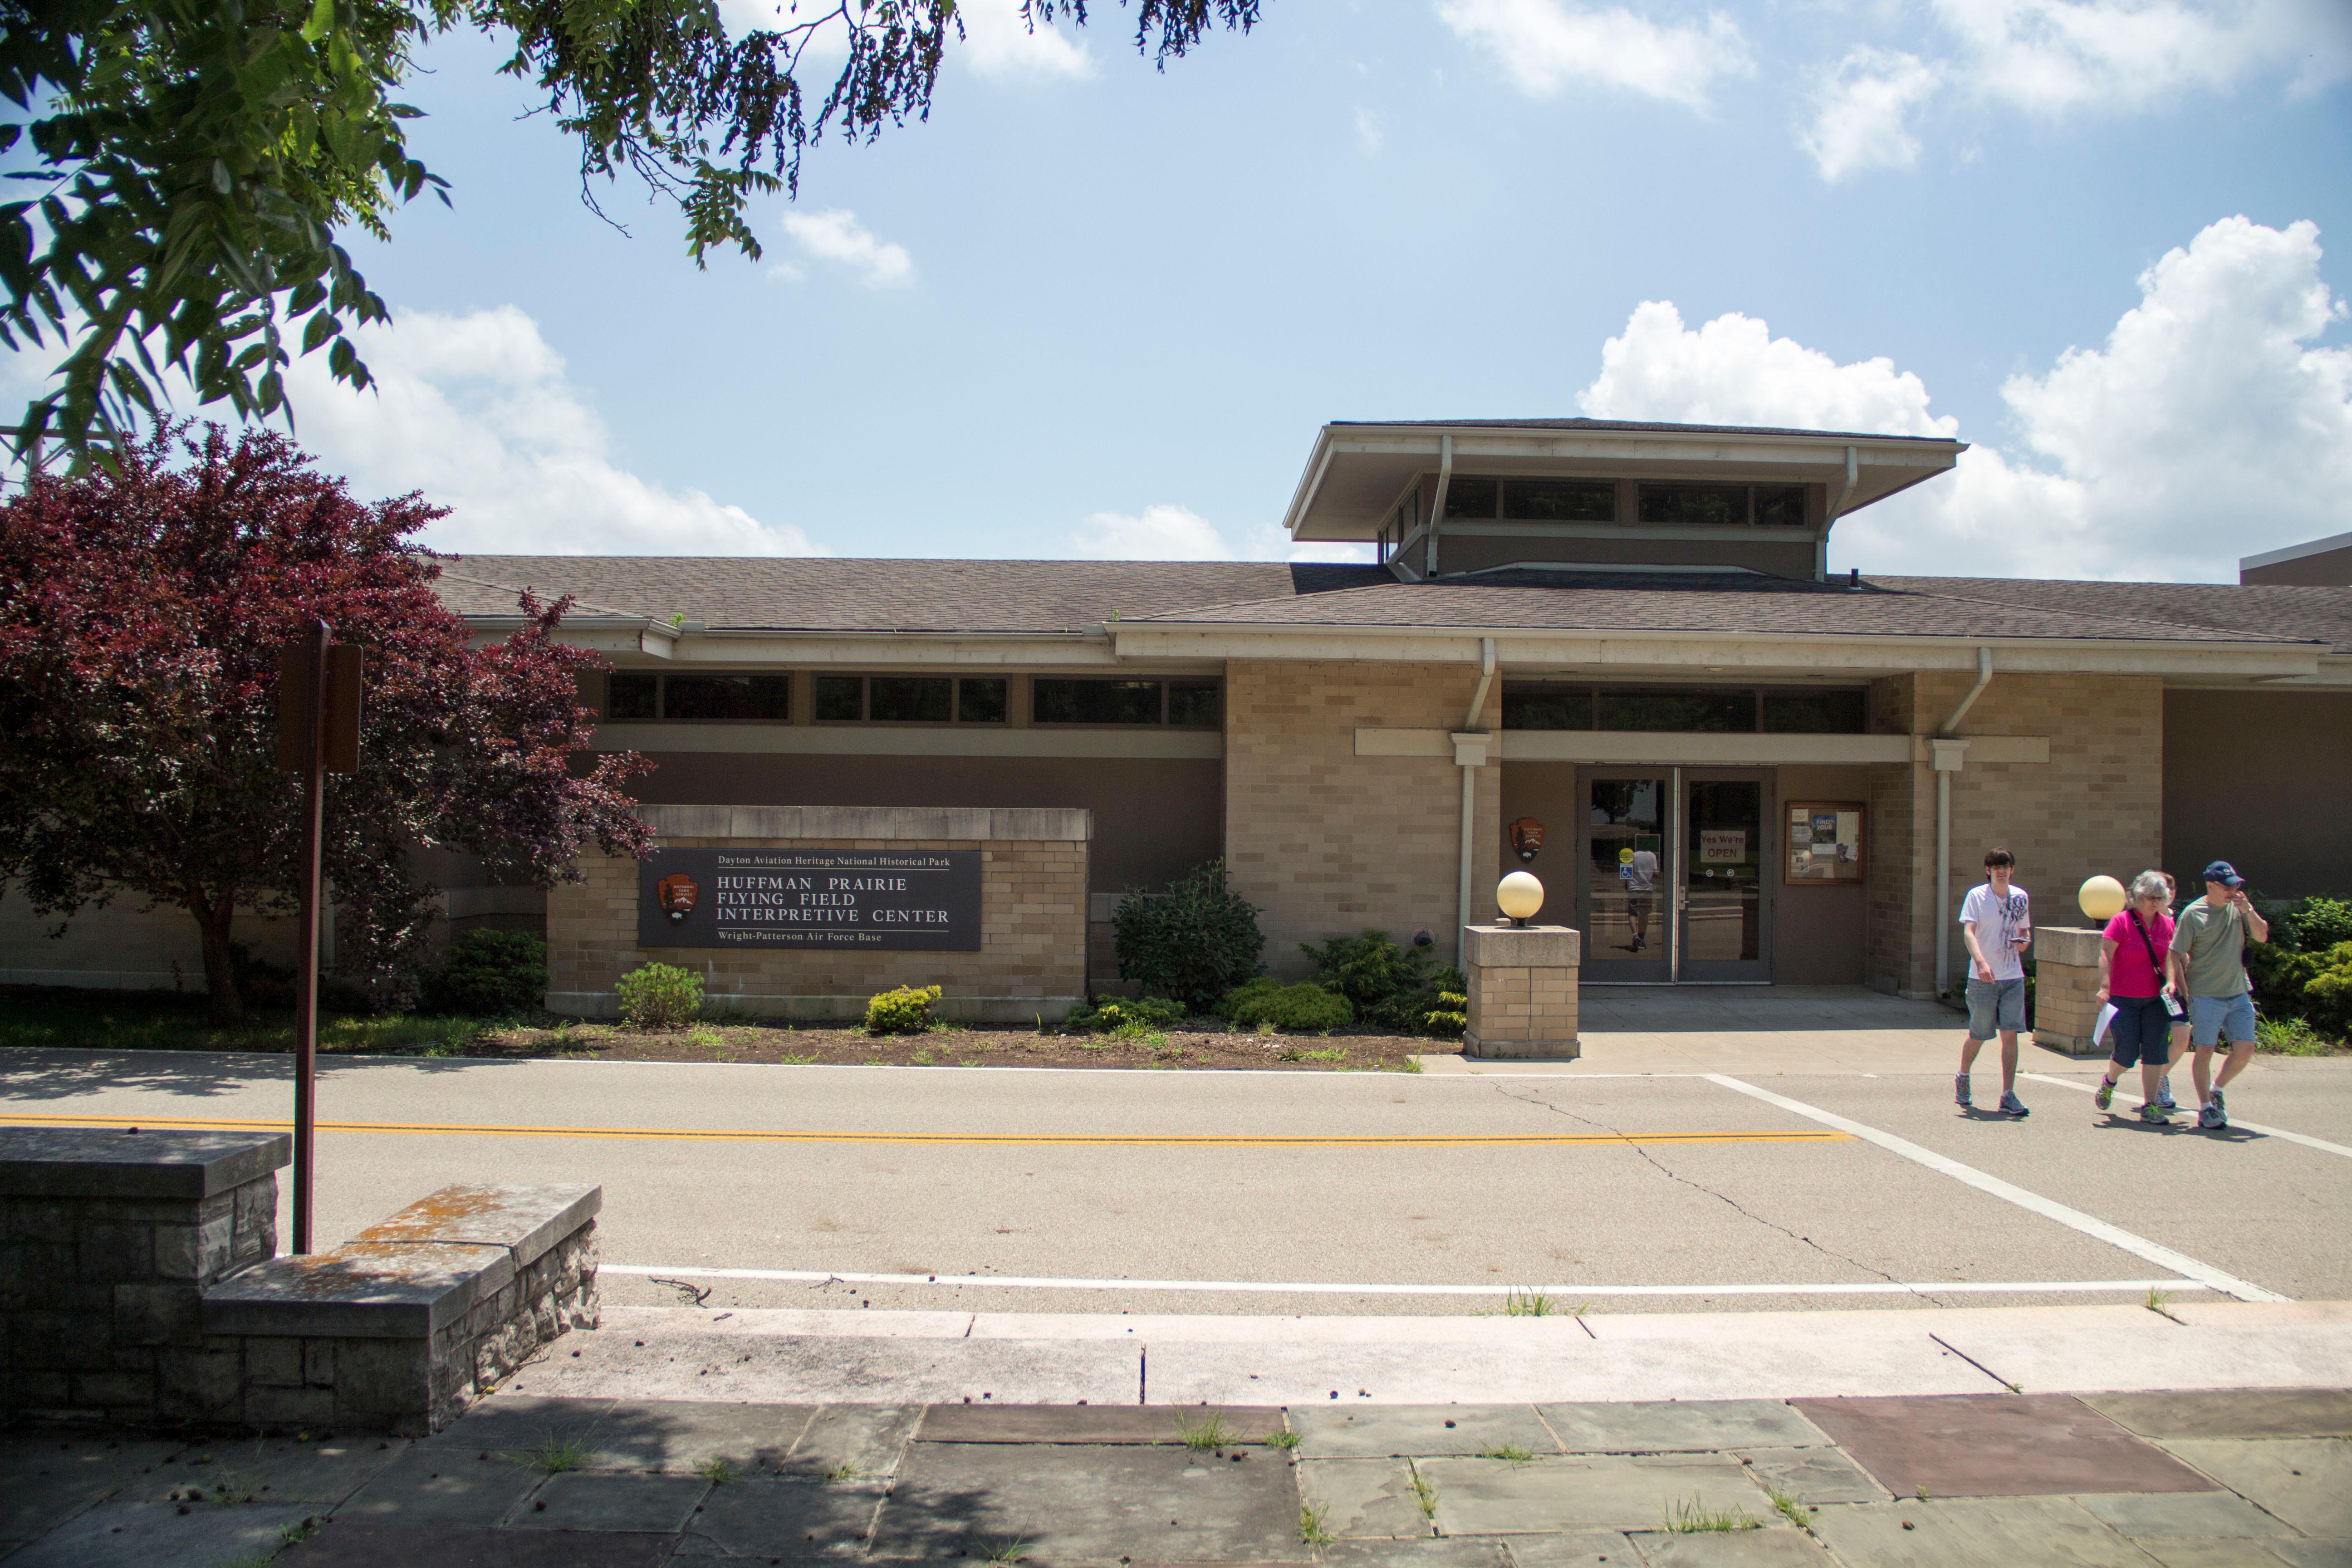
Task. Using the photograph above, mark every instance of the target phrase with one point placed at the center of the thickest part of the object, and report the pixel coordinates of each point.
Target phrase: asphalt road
(1589, 1187)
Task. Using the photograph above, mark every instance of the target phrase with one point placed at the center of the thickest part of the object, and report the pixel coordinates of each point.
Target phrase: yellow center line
(758, 1135)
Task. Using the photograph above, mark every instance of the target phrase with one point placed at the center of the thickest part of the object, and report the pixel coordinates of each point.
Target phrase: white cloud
(477, 412)
(1168, 532)
(837, 236)
(2210, 425)
(1368, 139)
(2052, 55)
(1545, 44)
(1860, 112)
(998, 43)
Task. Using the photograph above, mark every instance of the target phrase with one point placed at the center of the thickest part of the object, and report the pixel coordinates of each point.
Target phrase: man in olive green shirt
(2208, 968)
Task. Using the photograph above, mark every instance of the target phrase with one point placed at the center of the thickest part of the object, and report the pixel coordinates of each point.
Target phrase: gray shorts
(1996, 1006)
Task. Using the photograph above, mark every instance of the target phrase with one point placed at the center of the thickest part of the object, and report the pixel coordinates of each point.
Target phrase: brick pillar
(1522, 991)
(2065, 983)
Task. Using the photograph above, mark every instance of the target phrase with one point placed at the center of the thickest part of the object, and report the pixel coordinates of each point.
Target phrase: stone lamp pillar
(2065, 989)
(1522, 991)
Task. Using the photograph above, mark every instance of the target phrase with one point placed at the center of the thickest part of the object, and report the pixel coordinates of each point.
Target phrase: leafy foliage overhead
(192, 161)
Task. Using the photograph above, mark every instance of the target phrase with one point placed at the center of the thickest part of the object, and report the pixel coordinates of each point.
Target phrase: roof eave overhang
(1753, 450)
(1544, 649)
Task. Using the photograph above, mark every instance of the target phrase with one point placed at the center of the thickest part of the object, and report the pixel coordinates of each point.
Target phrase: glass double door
(1670, 882)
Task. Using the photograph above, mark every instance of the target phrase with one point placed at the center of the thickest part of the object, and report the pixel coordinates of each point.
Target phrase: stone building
(1608, 652)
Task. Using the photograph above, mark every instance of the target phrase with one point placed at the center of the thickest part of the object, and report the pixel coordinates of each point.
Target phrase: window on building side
(1687, 709)
(1467, 496)
(1701, 709)
(1191, 703)
(726, 697)
(1547, 707)
(1560, 500)
(1708, 506)
(1780, 506)
(1815, 713)
(909, 699)
(980, 700)
(632, 694)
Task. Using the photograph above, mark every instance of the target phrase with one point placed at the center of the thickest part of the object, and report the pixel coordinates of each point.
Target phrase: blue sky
(1094, 308)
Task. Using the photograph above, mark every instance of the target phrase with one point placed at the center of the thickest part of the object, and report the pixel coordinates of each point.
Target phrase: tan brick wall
(1326, 842)
(1032, 901)
(2096, 806)
(1521, 1011)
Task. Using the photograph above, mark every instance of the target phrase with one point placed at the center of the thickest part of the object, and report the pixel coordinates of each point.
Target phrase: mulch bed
(973, 1047)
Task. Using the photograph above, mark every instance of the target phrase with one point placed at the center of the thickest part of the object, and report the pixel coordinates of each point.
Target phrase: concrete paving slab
(1741, 1549)
(1420, 1429)
(346, 1544)
(1665, 1426)
(2237, 1413)
(698, 1360)
(515, 1423)
(442, 1487)
(2206, 1552)
(796, 1521)
(1813, 1476)
(2181, 1513)
(675, 1435)
(1576, 1549)
(1469, 1552)
(1162, 1505)
(854, 1443)
(994, 1423)
(1364, 1498)
(2048, 1532)
(2306, 1481)
(1996, 1446)
(158, 1535)
(1773, 1355)
(2311, 1553)
(48, 1478)
(1487, 1497)
(584, 1500)
(2149, 1352)
(272, 1469)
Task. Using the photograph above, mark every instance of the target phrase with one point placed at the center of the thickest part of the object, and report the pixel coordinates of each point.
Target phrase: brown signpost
(318, 733)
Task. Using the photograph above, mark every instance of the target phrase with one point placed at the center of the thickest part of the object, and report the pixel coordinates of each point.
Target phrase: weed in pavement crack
(1725, 1198)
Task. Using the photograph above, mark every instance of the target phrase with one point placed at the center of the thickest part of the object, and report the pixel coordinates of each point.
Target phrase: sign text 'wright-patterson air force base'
(880, 899)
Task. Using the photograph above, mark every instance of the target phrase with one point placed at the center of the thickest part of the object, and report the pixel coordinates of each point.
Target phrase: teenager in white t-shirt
(1996, 921)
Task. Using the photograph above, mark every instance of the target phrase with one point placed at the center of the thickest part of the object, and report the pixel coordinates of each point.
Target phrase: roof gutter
(1437, 506)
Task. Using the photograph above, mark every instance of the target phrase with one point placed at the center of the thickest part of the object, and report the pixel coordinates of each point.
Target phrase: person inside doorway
(2208, 966)
(2133, 970)
(1638, 872)
(1996, 921)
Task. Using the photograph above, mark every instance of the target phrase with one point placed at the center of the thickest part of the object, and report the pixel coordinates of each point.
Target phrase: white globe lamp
(2101, 898)
(1519, 896)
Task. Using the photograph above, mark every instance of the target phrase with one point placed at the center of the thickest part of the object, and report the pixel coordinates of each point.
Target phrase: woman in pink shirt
(2131, 974)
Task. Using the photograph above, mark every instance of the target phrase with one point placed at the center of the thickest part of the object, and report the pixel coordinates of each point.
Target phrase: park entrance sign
(879, 899)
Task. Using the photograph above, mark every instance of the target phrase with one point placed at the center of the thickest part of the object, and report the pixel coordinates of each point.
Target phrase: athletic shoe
(1960, 1095)
(2164, 1094)
(2210, 1117)
(2106, 1095)
(2220, 1110)
(2012, 1105)
(2152, 1112)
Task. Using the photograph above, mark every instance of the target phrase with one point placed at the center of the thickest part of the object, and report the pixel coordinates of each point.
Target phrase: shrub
(1303, 1008)
(260, 983)
(1193, 943)
(2301, 930)
(903, 1011)
(660, 996)
(1450, 1017)
(1389, 987)
(1128, 1019)
(2327, 987)
(490, 975)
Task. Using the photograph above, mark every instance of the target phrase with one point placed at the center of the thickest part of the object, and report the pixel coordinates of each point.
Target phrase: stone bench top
(125, 1162)
(412, 1273)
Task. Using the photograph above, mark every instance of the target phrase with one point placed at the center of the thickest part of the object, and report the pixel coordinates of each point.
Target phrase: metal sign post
(317, 732)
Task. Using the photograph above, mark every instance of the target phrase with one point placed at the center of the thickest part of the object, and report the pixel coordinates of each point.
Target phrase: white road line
(2306, 1140)
(1328, 1287)
(2114, 1236)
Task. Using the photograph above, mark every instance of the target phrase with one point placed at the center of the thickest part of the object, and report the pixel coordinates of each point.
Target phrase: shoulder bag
(2173, 1007)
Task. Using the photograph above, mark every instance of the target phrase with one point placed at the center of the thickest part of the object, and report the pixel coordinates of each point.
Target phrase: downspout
(1837, 510)
(1437, 509)
(1470, 750)
(1947, 753)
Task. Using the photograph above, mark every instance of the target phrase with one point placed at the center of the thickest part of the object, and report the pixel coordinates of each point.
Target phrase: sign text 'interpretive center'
(882, 899)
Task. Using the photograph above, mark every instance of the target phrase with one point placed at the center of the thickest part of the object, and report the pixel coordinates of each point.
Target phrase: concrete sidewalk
(2002, 1480)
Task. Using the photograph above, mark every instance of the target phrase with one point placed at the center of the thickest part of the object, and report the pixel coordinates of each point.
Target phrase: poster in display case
(1826, 842)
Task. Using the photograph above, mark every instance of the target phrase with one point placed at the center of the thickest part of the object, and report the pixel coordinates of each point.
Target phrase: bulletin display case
(1825, 843)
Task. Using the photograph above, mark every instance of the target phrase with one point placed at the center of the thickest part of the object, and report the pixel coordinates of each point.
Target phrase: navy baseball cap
(2221, 871)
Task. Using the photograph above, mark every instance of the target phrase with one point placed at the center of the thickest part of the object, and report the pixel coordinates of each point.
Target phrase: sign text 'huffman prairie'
(880, 899)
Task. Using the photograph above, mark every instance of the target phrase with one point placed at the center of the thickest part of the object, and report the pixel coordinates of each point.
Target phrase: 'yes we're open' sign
(919, 899)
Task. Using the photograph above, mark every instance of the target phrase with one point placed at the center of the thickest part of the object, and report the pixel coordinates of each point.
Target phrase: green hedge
(905, 1010)
(1305, 1008)
(1127, 1017)
(489, 974)
(2305, 970)
(1389, 987)
(660, 997)
(1191, 942)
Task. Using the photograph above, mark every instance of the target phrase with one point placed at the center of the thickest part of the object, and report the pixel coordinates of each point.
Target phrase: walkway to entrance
(1762, 1030)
